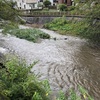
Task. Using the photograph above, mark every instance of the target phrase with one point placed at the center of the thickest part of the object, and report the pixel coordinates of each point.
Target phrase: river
(66, 61)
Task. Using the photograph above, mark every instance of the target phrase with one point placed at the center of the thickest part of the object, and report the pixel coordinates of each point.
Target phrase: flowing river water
(66, 61)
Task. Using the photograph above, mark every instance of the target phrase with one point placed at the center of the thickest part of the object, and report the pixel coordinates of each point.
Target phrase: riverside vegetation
(8, 11)
(73, 27)
(88, 28)
(28, 34)
(64, 26)
(18, 82)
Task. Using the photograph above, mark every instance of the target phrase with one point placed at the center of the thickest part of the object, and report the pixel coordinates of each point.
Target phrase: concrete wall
(43, 20)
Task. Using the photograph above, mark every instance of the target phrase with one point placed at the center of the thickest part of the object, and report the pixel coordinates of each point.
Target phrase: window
(41, 0)
(24, 6)
(22, 0)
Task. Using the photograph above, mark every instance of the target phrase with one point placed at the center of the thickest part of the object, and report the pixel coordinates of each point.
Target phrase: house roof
(31, 1)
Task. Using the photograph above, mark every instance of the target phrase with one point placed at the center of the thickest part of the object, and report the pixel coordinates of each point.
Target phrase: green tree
(47, 3)
(7, 10)
(92, 32)
(62, 7)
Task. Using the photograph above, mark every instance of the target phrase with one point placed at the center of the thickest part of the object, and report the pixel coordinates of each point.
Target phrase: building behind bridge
(33, 4)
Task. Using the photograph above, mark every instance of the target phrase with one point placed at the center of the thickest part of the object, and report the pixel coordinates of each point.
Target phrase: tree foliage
(92, 32)
(47, 3)
(62, 7)
(7, 10)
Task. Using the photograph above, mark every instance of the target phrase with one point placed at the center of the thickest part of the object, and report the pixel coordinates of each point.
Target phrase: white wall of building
(32, 3)
(51, 2)
(22, 4)
(25, 4)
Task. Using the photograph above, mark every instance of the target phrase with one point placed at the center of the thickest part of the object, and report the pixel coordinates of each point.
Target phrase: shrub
(28, 34)
(22, 22)
(71, 8)
(17, 82)
(56, 23)
(62, 7)
(64, 26)
(92, 32)
(10, 26)
(47, 3)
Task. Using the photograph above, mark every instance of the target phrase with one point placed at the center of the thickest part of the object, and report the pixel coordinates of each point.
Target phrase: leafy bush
(56, 23)
(92, 32)
(17, 82)
(22, 22)
(88, 28)
(64, 26)
(10, 26)
(83, 94)
(62, 7)
(28, 34)
(60, 21)
(47, 3)
(71, 8)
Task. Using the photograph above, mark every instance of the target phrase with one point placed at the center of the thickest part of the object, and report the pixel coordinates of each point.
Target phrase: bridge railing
(44, 13)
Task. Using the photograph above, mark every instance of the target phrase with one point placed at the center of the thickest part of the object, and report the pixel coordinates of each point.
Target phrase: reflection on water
(65, 63)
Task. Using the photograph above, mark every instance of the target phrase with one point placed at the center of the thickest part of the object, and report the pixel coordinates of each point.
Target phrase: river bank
(85, 28)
